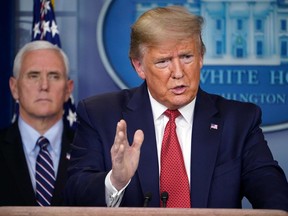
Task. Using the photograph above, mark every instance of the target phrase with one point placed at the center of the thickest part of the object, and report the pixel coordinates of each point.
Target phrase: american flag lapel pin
(68, 156)
(214, 126)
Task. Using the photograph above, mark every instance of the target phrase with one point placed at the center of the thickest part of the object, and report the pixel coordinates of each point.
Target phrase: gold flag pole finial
(53, 4)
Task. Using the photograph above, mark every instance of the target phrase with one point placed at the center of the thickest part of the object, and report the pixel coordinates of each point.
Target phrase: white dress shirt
(183, 129)
(29, 138)
(184, 125)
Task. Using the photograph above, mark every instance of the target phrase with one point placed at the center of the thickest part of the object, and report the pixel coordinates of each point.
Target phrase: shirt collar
(30, 136)
(186, 111)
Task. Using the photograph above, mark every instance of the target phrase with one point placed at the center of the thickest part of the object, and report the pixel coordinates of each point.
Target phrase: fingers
(138, 140)
(121, 142)
(120, 136)
(124, 157)
(121, 130)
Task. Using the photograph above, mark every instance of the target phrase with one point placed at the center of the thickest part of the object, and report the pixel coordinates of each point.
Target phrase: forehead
(43, 59)
(168, 47)
(41, 53)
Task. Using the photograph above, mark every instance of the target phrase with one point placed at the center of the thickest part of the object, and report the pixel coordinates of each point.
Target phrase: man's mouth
(179, 90)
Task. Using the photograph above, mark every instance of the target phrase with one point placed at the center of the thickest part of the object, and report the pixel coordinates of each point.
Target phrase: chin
(45, 114)
(182, 100)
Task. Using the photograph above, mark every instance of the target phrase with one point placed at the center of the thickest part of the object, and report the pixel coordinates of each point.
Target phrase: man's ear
(137, 64)
(13, 88)
(201, 61)
(69, 89)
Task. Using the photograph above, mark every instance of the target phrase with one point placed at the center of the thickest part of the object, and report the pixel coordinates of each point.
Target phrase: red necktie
(173, 176)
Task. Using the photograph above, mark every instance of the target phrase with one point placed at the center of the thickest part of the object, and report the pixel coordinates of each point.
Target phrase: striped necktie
(173, 176)
(45, 177)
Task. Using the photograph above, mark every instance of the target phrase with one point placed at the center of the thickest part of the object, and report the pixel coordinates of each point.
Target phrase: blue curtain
(6, 60)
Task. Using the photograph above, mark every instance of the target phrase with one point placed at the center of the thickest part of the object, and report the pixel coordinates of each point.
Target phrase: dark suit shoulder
(228, 105)
(15, 185)
(10, 134)
(3, 132)
(111, 97)
(242, 115)
(104, 110)
(107, 102)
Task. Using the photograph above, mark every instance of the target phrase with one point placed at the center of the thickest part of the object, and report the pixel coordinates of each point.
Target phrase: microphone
(164, 198)
(147, 199)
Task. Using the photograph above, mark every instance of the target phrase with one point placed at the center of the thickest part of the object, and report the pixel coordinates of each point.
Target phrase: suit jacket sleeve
(90, 155)
(264, 182)
(233, 160)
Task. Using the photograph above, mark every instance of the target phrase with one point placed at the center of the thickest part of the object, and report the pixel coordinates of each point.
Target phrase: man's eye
(187, 58)
(54, 76)
(162, 63)
(33, 76)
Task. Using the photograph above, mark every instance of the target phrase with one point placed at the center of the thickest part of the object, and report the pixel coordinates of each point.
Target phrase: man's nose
(44, 83)
(176, 69)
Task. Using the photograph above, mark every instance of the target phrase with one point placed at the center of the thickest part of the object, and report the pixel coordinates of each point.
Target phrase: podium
(102, 211)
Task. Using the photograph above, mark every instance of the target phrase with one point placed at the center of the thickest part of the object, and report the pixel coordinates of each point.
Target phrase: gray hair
(164, 23)
(37, 45)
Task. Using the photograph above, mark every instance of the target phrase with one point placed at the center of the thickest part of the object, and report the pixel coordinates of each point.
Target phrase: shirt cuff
(112, 195)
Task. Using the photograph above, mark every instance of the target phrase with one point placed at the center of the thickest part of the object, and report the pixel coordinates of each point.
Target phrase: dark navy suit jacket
(228, 161)
(15, 184)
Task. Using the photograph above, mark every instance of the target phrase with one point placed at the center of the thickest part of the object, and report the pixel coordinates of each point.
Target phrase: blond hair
(164, 23)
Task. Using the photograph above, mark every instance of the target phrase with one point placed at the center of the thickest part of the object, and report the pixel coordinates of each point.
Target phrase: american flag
(214, 126)
(45, 28)
(44, 23)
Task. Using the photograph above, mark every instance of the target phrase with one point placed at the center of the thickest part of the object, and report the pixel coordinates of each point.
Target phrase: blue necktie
(45, 177)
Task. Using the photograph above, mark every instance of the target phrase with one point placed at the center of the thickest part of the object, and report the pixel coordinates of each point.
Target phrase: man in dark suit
(223, 148)
(41, 86)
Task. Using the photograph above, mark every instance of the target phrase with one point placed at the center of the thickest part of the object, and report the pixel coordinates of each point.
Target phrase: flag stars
(71, 117)
(46, 6)
(71, 99)
(36, 29)
(54, 29)
(46, 27)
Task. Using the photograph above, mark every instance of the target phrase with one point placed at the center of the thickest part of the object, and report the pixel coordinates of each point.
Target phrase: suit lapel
(139, 116)
(61, 179)
(16, 163)
(207, 129)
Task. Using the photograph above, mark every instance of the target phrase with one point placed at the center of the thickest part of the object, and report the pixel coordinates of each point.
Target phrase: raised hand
(125, 158)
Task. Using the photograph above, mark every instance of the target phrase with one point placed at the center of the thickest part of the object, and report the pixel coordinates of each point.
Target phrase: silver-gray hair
(37, 45)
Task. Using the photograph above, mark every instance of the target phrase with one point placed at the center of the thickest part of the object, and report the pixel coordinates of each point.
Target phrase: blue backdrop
(80, 29)
(6, 60)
